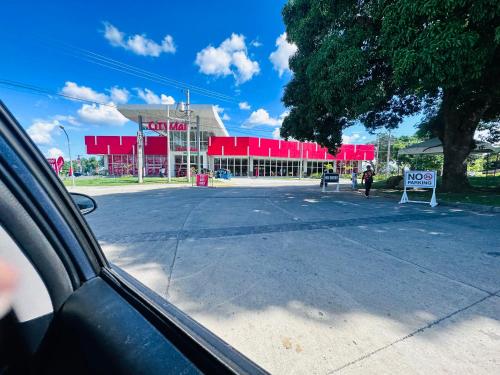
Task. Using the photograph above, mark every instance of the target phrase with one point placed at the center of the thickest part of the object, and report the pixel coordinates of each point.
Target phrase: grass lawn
(486, 190)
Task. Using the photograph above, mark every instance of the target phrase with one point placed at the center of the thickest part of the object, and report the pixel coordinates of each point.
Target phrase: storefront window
(120, 165)
(178, 140)
(181, 164)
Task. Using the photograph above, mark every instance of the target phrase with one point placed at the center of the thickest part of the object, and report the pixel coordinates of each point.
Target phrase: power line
(110, 63)
(21, 85)
(39, 90)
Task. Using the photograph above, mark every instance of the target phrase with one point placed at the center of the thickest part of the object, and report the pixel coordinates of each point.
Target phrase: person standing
(367, 178)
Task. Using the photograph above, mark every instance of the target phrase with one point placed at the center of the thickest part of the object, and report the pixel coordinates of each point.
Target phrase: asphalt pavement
(302, 281)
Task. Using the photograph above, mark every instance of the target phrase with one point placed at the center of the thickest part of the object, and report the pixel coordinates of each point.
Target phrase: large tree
(379, 61)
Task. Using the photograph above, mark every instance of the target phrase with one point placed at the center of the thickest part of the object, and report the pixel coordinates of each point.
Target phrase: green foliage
(381, 60)
(490, 132)
(393, 181)
(398, 162)
(316, 175)
(90, 165)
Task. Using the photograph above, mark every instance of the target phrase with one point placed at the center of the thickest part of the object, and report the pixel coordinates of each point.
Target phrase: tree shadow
(339, 277)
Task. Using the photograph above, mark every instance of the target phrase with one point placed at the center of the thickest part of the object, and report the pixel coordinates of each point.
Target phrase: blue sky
(222, 46)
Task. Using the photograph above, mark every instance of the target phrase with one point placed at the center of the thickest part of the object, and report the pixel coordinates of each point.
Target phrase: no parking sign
(422, 180)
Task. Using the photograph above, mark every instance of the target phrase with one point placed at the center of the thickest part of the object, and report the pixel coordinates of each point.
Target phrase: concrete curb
(467, 206)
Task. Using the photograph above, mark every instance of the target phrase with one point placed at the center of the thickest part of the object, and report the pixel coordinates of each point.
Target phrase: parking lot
(302, 281)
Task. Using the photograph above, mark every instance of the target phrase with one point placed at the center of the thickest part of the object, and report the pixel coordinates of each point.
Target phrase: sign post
(330, 177)
(420, 179)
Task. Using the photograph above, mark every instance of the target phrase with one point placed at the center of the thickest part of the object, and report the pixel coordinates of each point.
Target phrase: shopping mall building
(243, 156)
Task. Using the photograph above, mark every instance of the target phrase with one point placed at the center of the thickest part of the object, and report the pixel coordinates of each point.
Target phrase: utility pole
(378, 146)
(388, 151)
(188, 172)
(198, 141)
(71, 171)
(168, 144)
(140, 152)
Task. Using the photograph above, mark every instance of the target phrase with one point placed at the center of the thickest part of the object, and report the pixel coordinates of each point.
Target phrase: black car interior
(102, 320)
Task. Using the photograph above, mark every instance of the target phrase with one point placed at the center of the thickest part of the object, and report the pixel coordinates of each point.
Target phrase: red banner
(202, 180)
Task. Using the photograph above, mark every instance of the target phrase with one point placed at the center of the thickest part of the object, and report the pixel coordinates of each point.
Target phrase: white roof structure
(209, 117)
(434, 146)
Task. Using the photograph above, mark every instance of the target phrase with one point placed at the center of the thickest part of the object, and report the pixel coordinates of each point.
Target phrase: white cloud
(276, 133)
(103, 111)
(138, 43)
(119, 95)
(54, 152)
(283, 52)
(67, 118)
(151, 98)
(256, 43)
(261, 117)
(83, 92)
(220, 110)
(230, 57)
(113, 35)
(246, 68)
(101, 114)
(244, 105)
(167, 100)
(41, 131)
(347, 139)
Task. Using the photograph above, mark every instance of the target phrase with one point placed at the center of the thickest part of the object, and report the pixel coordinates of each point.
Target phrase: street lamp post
(69, 154)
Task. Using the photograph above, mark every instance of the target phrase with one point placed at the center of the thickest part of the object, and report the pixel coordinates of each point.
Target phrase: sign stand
(202, 180)
(330, 177)
(422, 179)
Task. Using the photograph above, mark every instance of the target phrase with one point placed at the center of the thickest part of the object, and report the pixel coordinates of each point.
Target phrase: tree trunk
(456, 148)
(460, 123)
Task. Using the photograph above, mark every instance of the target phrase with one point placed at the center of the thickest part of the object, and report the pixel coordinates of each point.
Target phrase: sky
(234, 48)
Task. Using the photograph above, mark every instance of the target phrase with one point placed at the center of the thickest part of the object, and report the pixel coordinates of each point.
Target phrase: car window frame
(43, 195)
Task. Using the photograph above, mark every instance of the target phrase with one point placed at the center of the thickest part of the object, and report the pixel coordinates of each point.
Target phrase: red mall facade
(243, 156)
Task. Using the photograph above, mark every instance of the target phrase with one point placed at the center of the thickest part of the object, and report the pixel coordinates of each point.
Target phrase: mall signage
(420, 180)
(56, 164)
(162, 125)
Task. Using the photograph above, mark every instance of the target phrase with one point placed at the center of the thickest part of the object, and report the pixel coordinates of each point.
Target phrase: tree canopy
(378, 61)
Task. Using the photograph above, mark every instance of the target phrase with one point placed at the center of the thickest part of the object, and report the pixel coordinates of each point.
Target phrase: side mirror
(84, 203)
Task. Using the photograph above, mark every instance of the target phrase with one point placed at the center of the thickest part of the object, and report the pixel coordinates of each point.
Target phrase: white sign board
(421, 180)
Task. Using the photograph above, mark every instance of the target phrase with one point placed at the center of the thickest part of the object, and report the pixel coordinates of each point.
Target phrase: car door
(83, 315)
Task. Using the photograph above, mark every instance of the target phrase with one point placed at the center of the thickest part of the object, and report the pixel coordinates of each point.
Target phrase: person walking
(367, 178)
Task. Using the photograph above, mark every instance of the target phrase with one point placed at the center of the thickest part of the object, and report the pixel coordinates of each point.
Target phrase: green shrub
(393, 181)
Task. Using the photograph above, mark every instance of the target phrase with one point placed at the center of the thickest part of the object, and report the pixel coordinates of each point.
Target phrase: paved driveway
(306, 282)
